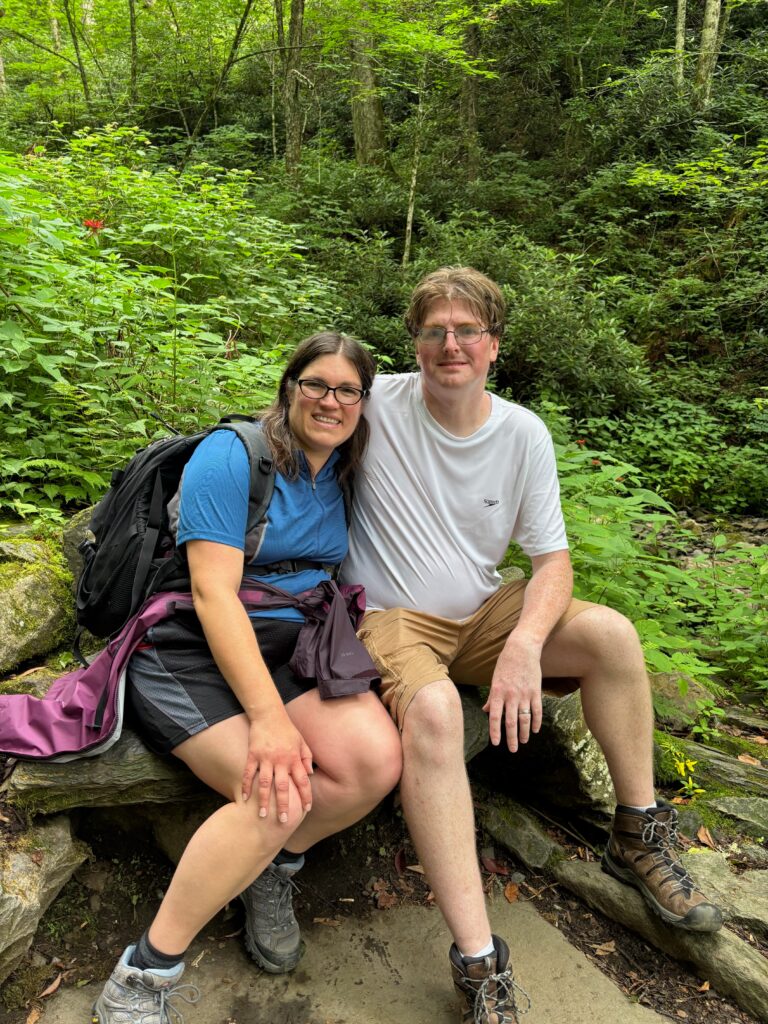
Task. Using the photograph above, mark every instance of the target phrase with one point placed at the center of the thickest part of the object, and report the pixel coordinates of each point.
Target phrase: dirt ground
(371, 869)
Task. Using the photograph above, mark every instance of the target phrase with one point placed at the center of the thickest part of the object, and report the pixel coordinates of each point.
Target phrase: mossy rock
(36, 609)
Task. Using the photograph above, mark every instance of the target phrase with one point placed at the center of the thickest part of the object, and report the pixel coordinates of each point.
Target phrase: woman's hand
(276, 750)
(278, 754)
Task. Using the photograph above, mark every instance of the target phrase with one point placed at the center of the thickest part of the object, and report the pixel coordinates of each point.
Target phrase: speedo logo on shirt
(490, 502)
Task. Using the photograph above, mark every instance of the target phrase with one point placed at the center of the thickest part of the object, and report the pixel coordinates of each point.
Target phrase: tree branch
(40, 46)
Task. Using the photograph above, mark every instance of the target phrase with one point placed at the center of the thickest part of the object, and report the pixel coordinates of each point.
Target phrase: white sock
(648, 807)
(485, 951)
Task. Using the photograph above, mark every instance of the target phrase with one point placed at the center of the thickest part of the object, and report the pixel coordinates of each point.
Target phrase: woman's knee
(249, 811)
(368, 757)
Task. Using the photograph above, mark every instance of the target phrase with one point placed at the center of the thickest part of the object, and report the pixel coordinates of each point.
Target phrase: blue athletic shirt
(305, 518)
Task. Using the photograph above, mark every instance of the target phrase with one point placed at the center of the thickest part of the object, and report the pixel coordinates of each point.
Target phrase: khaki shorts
(413, 649)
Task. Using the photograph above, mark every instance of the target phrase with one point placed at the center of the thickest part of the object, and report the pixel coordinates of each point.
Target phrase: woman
(217, 692)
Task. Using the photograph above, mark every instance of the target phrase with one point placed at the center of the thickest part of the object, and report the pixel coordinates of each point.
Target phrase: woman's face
(321, 424)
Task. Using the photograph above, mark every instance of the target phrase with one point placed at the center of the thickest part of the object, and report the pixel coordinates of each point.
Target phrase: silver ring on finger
(523, 712)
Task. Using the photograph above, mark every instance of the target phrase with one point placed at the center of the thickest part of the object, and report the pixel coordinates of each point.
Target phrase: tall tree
(72, 25)
(470, 90)
(290, 47)
(709, 51)
(680, 44)
(367, 110)
(222, 77)
(132, 89)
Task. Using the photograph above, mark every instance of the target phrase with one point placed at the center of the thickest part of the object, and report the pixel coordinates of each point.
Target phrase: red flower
(581, 441)
(94, 225)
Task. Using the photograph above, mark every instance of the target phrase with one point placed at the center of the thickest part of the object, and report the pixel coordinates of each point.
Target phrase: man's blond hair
(459, 284)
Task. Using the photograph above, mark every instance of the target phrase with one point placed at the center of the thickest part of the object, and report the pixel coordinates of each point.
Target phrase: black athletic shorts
(175, 689)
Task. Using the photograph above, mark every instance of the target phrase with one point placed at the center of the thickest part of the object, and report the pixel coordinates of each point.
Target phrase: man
(452, 475)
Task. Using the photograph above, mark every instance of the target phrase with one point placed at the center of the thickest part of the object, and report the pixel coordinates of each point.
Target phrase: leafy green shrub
(708, 449)
(99, 341)
(703, 617)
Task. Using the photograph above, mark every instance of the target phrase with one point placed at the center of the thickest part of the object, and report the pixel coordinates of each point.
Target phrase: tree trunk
(469, 95)
(290, 55)
(76, 46)
(55, 29)
(417, 144)
(680, 45)
(3, 83)
(708, 54)
(133, 92)
(367, 111)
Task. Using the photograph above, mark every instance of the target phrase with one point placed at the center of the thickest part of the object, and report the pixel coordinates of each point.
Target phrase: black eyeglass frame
(361, 392)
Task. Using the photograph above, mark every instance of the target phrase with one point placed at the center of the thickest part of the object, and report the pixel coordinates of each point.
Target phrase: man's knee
(434, 721)
(607, 635)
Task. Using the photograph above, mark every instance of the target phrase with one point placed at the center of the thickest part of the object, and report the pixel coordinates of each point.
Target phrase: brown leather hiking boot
(486, 989)
(641, 853)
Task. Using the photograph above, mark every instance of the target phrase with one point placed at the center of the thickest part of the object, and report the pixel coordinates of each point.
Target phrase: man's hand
(278, 753)
(515, 693)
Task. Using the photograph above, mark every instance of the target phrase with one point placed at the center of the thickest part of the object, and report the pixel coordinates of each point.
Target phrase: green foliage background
(562, 147)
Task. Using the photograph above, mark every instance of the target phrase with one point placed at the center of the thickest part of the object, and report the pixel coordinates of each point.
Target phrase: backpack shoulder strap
(261, 462)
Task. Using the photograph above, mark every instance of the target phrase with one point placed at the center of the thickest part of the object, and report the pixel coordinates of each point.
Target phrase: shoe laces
(663, 836)
(169, 1014)
(501, 1000)
(279, 903)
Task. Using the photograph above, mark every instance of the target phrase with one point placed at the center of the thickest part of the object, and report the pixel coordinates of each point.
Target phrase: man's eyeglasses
(465, 335)
(344, 394)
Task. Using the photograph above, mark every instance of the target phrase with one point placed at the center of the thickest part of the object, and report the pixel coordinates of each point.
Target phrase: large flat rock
(388, 968)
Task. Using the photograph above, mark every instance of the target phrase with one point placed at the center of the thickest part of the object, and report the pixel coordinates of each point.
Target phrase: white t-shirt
(434, 514)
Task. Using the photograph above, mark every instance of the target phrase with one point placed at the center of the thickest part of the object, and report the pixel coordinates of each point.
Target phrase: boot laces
(500, 1002)
(663, 836)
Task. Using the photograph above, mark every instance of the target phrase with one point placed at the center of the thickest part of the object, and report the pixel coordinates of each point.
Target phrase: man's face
(446, 365)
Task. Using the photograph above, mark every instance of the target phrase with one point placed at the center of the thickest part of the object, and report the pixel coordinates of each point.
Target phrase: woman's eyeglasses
(344, 394)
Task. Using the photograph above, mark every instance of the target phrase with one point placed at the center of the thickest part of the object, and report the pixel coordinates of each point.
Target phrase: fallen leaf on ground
(415, 867)
(34, 1016)
(494, 866)
(705, 836)
(400, 861)
(606, 948)
(748, 759)
(682, 1013)
(386, 900)
(331, 922)
(511, 892)
(36, 857)
(198, 959)
(679, 800)
(704, 987)
(51, 988)
(761, 740)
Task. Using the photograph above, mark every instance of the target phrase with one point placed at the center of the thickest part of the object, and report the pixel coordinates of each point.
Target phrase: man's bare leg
(602, 649)
(437, 804)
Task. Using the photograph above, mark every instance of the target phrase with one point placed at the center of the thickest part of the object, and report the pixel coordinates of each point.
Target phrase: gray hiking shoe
(272, 934)
(133, 996)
